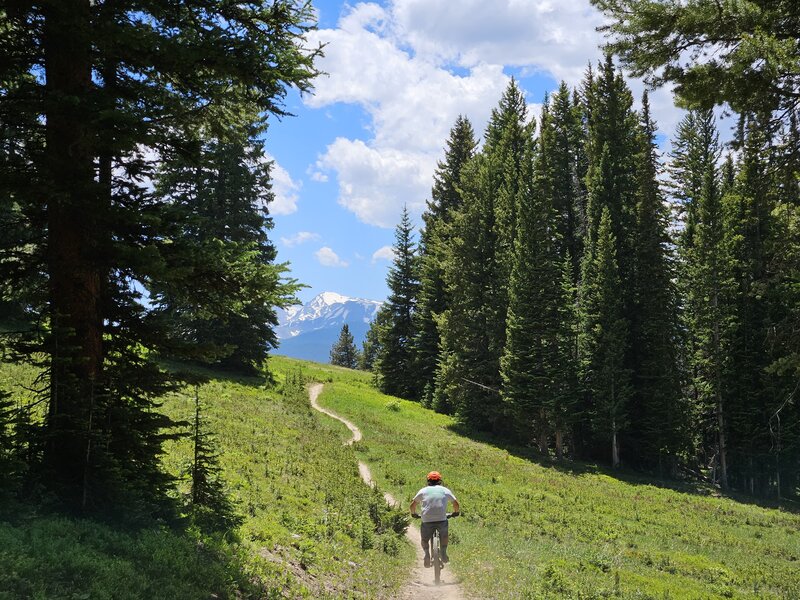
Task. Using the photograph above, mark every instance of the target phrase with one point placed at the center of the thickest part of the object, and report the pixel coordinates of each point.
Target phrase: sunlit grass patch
(536, 529)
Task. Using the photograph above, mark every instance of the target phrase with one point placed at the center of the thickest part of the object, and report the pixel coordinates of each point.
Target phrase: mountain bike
(436, 550)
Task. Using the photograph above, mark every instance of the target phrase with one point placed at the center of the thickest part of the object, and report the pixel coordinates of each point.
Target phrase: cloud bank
(415, 65)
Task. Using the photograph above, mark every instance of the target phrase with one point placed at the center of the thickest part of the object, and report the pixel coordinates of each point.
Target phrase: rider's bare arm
(456, 508)
(413, 507)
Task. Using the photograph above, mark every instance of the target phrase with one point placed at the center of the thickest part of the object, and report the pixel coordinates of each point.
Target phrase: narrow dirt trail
(420, 586)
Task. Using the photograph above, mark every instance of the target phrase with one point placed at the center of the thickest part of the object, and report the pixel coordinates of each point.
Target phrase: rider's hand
(455, 514)
(415, 515)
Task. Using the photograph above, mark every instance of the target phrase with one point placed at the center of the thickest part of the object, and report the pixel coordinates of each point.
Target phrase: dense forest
(576, 290)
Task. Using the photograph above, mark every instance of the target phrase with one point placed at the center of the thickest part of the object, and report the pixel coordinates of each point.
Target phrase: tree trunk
(723, 451)
(543, 433)
(559, 444)
(614, 444)
(72, 227)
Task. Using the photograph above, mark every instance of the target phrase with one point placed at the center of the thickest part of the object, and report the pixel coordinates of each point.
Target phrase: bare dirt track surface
(420, 585)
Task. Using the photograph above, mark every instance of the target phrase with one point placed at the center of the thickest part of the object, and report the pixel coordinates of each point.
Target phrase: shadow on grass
(192, 373)
(48, 554)
(625, 475)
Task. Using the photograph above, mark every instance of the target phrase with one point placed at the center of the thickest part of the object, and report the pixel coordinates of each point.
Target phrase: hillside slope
(311, 528)
(541, 530)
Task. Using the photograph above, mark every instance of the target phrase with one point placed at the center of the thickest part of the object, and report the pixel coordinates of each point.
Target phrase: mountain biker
(434, 498)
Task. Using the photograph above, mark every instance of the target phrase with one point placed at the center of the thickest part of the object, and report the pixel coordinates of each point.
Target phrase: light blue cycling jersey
(434, 500)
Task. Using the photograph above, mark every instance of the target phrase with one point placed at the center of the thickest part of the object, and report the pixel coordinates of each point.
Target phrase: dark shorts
(427, 530)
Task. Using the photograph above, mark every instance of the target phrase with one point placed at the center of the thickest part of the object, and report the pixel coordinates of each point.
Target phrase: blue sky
(367, 141)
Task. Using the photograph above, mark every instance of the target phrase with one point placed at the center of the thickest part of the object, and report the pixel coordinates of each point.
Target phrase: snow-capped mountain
(310, 330)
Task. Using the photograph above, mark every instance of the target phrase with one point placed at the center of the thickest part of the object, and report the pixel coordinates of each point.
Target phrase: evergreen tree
(603, 339)
(471, 358)
(564, 403)
(612, 145)
(87, 131)
(705, 280)
(209, 505)
(658, 418)
(747, 229)
(396, 359)
(784, 340)
(6, 446)
(568, 191)
(371, 347)
(344, 352)
(530, 359)
(740, 53)
(218, 206)
(445, 199)
(471, 337)
(506, 138)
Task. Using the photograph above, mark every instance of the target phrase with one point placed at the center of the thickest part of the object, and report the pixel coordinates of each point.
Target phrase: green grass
(531, 529)
(538, 530)
(311, 528)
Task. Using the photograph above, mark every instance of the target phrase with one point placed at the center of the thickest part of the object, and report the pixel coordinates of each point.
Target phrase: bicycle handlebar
(451, 515)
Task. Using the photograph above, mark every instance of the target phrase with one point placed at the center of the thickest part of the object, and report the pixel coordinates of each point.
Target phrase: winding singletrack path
(420, 586)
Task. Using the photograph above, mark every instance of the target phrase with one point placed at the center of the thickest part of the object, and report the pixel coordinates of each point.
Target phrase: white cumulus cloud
(412, 102)
(376, 183)
(328, 258)
(414, 65)
(285, 189)
(383, 253)
(301, 237)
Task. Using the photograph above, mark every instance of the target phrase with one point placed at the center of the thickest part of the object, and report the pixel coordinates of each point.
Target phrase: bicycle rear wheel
(436, 556)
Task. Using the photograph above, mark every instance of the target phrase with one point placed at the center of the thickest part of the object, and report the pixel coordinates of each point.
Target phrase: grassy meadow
(536, 529)
(311, 528)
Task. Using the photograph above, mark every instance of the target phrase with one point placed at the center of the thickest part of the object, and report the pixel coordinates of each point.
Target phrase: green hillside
(312, 529)
(542, 530)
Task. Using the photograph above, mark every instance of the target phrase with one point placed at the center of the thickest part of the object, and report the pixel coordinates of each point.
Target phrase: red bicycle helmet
(434, 476)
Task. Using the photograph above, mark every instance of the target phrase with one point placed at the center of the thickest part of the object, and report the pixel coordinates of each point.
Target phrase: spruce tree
(530, 359)
(396, 358)
(705, 281)
(90, 129)
(506, 141)
(371, 347)
(219, 209)
(471, 340)
(484, 231)
(344, 352)
(612, 145)
(603, 340)
(209, 505)
(747, 230)
(434, 238)
(566, 152)
(784, 342)
(658, 417)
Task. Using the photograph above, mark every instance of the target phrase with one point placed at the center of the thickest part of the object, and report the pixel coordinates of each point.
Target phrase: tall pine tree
(218, 206)
(395, 361)
(603, 340)
(471, 340)
(530, 363)
(90, 127)
(344, 352)
(434, 238)
(658, 417)
(705, 280)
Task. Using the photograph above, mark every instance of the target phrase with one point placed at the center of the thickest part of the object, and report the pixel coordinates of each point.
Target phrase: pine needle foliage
(344, 352)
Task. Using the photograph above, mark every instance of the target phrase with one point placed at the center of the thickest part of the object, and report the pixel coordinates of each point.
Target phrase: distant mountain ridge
(309, 331)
